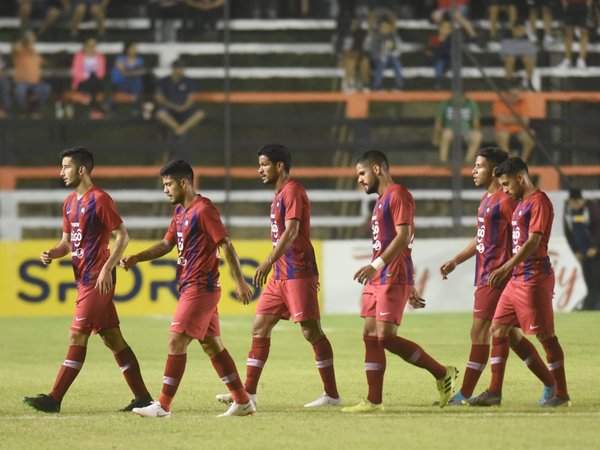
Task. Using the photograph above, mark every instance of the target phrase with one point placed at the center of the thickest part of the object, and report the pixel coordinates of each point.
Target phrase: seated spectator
(203, 15)
(30, 92)
(494, 9)
(518, 48)
(268, 9)
(470, 126)
(48, 11)
(128, 73)
(383, 47)
(439, 50)
(508, 124)
(546, 7)
(163, 16)
(349, 49)
(576, 13)
(444, 12)
(175, 102)
(5, 90)
(95, 8)
(88, 70)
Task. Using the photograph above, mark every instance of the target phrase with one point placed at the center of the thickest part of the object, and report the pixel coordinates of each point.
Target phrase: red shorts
(197, 315)
(295, 298)
(486, 300)
(94, 311)
(385, 302)
(527, 304)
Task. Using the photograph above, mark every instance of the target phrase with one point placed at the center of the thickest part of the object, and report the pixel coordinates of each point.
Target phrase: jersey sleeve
(540, 215)
(401, 207)
(66, 224)
(107, 212)
(171, 234)
(293, 201)
(211, 223)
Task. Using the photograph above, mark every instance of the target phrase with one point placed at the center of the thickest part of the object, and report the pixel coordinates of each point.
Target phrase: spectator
(268, 9)
(349, 49)
(384, 50)
(47, 10)
(508, 125)
(546, 7)
(31, 93)
(582, 229)
(95, 8)
(89, 70)
(175, 100)
(5, 90)
(444, 12)
(518, 48)
(203, 14)
(576, 13)
(128, 73)
(439, 50)
(163, 16)
(470, 126)
(494, 9)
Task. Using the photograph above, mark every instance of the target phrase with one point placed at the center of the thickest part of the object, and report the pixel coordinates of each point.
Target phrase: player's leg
(259, 350)
(556, 365)
(129, 365)
(478, 357)
(313, 333)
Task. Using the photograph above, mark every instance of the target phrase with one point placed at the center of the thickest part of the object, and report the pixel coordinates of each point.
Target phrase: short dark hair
(511, 166)
(178, 169)
(575, 194)
(277, 153)
(81, 155)
(373, 157)
(494, 155)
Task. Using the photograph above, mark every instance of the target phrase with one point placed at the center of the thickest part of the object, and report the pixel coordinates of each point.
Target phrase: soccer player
(292, 289)
(197, 231)
(389, 284)
(527, 299)
(89, 218)
(491, 248)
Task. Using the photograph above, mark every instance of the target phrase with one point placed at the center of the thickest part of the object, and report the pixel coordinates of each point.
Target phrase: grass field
(31, 351)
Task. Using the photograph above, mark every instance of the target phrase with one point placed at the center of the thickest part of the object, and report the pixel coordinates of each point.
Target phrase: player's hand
(446, 268)
(364, 274)
(127, 262)
(499, 276)
(415, 300)
(592, 252)
(244, 292)
(262, 273)
(46, 258)
(104, 282)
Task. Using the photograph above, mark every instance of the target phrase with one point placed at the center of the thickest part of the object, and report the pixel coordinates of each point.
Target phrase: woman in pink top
(88, 70)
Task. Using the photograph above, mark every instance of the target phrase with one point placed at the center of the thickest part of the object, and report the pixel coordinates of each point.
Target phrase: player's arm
(243, 290)
(461, 257)
(292, 227)
(399, 243)
(105, 281)
(501, 274)
(58, 251)
(156, 251)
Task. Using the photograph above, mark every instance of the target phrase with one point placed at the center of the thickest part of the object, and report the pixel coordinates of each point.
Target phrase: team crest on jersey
(82, 210)
(187, 222)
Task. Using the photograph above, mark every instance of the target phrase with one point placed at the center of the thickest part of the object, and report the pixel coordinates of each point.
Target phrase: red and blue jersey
(299, 261)
(89, 220)
(494, 230)
(197, 230)
(534, 214)
(394, 207)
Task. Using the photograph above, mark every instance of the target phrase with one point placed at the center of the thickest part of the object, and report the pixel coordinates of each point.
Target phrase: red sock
(68, 371)
(131, 371)
(556, 364)
(324, 358)
(413, 354)
(374, 368)
(532, 359)
(500, 348)
(225, 367)
(477, 362)
(257, 357)
(171, 379)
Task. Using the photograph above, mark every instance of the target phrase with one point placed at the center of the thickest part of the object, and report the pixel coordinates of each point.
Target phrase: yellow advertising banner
(31, 289)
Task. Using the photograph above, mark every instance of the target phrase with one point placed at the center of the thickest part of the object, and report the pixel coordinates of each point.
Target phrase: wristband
(378, 263)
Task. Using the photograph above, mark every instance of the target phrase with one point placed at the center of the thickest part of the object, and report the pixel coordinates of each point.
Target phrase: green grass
(31, 351)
